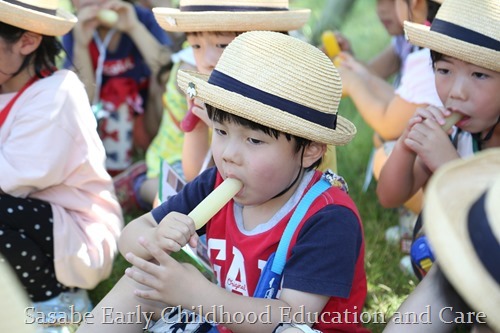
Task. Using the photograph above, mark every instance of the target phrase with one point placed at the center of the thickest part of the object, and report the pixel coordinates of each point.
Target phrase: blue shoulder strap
(281, 253)
(270, 278)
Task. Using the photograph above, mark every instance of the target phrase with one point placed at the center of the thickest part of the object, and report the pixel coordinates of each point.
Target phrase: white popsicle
(215, 201)
(107, 17)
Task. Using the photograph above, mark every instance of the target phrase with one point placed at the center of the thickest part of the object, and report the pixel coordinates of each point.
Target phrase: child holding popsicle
(270, 138)
(116, 48)
(467, 77)
(386, 108)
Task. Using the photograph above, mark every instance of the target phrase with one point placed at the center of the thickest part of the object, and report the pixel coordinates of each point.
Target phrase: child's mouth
(462, 121)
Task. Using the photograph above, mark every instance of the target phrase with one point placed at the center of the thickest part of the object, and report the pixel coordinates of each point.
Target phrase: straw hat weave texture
(277, 81)
(40, 16)
(14, 302)
(235, 15)
(468, 30)
(452, 193)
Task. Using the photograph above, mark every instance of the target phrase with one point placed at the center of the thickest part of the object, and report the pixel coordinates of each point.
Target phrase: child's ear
(313, 152)
(29, 42)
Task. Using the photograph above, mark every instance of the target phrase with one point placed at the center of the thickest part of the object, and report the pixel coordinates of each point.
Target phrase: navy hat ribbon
(464, 34)
(212, 8)
(38, 9)
(483, 240)
(314, 116)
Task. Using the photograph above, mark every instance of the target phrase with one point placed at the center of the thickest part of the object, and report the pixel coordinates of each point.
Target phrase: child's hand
(127, 18)
(175, 231)
(170, 281)
(344, 43)
(200, 110)
(348, 61)
(438, 114)
(83, 31)
(432, 145)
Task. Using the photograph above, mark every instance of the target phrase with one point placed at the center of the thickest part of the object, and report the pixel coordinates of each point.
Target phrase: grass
(387, 284)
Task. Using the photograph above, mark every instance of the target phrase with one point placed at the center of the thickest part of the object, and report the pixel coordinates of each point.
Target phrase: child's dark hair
(435, 57)
(44, 57)
(221, 116)
(432, 9)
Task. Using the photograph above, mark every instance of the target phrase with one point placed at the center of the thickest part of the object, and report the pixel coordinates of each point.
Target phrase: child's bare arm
(83, 33)
(154, 53)
(178, 284)
(385, 64)
(375, 100)
(401, 176)
(170, 235)
(423, 148)
(194, 151)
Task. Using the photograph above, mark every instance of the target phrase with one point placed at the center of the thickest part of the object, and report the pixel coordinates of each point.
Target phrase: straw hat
(462, 221)
(40, 16)
(234, 15)
(14, 302)
(277, 81)
(468, 30)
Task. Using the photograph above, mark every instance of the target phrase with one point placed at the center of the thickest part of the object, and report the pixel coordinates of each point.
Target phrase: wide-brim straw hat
(40, 16)
(277, 81)
(235, 15)
(468, 30)
(13, 317)
(462, 222)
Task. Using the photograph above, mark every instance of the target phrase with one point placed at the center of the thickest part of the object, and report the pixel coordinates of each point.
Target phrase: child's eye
(442, 71)
(222, 46)
(255, 141)
(479, 75)
(219, 131)
(195, 46)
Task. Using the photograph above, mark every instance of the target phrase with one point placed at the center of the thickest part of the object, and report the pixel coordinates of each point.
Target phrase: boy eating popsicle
(271, 138)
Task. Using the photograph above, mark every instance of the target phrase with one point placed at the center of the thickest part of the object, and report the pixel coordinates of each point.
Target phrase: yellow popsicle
(215, 201)
(451, 120)
(330, 44)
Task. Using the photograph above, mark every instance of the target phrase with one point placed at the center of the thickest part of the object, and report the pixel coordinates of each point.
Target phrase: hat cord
(480, 141)
(296, 178)
(102, 46)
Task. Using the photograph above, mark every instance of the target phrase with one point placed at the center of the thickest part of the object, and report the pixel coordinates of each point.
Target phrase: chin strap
(480, 141)
(296, 178)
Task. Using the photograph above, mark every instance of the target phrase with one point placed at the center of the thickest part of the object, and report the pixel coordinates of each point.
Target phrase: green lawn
(387, 285)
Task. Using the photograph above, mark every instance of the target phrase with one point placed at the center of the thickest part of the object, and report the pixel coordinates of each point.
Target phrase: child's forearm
(194, 151)
(385, 64)
(84, 69)
(154, 53)
(396, 181)
(371, 96)
(143, 226)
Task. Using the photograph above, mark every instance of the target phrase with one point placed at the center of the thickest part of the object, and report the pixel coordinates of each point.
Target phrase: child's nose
(459, 89)
(231, 152)
(211, 57)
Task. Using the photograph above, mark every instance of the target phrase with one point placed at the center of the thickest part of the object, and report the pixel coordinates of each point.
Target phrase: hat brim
(14, 302)
(172, 19)
(421, 35)
(445, 224)
(32, 20)
(264, 114)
